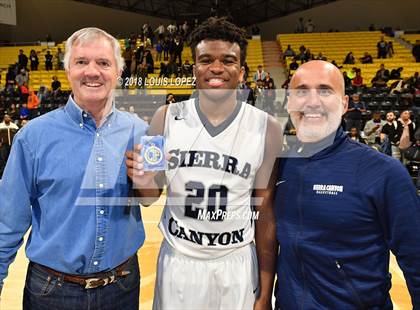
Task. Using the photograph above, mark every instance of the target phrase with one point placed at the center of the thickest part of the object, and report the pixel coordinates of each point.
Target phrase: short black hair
(219, 29)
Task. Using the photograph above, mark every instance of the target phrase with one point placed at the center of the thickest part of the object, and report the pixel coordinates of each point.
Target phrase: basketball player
(220, 166)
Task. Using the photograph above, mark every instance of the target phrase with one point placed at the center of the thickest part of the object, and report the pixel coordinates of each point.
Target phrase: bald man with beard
(341, 207)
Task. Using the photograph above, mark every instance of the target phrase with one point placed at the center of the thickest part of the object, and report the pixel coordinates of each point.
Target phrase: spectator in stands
(128, 56)
(33, 57)
(13, 112)
(172, 68)
(258, 92)
(170, 98)
(55, 86)
(246, 72)
(22, 60)
(405, 120)
(185, 29)
(48, 61)
(354, 134)
(414, 81)
(358, 79)
(8, 123)
(289, 52)
(302, 54)
(186, 69)
(366, 59)
(286, 82)
(293, 65)
(162, 72)
(354, 112)
(149, 61)
(347, 80)
(321, 57)
(23, 123)
(335, 64)
(178, 48)
(259, 75)
(42, 94)
(22, 78)
(378, 81)
(390, 49)
(382, 47)
(300, 28)
(165, 45)
(10, 129)
(267, 80)
(309, 26)
(392, 129)
(24, 92)
(171, 29)
(159, 50)
(416, 51)
(384, 73)
(160, 30)
(23, 111)
(60, 59)
(349, 59)
(396, 73)
(32, 104)
(373, 128)
(308, 55)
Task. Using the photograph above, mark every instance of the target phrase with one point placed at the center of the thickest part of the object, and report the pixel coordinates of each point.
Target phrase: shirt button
(81, 125)
(100, 158)
(101, 212)
(84, 115)
(109, 125)
(101, 238)
(97, 134)
(101, 185)
(95, 262)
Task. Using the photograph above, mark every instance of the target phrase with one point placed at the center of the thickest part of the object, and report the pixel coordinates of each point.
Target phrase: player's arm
(147, 185)
(265, 229)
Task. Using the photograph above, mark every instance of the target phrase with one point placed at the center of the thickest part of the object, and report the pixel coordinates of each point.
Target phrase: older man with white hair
(66, 177)
(341, 207)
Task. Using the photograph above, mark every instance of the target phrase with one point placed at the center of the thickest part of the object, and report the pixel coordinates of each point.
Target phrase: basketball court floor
(11, 298)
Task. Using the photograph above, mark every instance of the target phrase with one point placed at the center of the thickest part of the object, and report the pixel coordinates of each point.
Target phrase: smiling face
(92, 72)
(316, 100)
(217, 68)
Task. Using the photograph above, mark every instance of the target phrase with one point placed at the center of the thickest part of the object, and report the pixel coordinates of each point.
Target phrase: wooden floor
(11, 298)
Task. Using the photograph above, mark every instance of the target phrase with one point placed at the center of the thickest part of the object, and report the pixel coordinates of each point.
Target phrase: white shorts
(183, 282)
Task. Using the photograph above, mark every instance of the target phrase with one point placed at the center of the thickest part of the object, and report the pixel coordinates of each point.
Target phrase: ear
(345, 104)
(241, 74)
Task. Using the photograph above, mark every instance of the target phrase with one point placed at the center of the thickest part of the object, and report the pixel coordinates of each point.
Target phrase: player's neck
(215, 111)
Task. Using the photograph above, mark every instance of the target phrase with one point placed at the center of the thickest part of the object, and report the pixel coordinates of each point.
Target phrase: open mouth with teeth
(216, 82)
(313, 116)
(92, 84)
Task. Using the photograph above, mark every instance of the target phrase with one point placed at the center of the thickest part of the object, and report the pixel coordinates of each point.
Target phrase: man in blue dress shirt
(66, 177)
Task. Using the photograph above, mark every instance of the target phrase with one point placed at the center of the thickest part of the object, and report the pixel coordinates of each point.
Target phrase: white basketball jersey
(210, 178)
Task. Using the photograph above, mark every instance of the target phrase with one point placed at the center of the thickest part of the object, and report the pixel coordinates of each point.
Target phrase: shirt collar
(79, 116)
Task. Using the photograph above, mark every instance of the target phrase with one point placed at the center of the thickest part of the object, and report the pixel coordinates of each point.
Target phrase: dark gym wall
(60, 18)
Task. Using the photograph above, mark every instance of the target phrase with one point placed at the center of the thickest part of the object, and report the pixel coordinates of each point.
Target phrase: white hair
(90, 34)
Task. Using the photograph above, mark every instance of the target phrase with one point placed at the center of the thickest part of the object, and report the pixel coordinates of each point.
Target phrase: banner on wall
(8, 12)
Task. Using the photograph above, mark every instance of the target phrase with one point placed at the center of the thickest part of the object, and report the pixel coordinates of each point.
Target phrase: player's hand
(135, 168)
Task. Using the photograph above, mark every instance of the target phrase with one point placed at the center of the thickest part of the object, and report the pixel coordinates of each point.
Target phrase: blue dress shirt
(67, 178)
